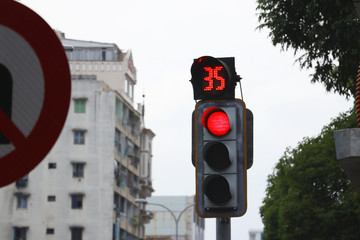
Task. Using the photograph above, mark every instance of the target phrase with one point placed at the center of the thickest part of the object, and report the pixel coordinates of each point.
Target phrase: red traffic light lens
(216, 121)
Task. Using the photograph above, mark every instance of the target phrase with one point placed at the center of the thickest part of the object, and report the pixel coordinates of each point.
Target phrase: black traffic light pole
(223, 228)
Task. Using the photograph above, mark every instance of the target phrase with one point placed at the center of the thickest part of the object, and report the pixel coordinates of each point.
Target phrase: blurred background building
(255, 234)
(163, 224)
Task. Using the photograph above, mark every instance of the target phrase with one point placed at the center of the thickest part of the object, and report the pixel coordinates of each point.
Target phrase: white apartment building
(85, 189)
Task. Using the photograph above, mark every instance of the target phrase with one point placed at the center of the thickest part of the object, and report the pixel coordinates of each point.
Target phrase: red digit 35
(213, 74)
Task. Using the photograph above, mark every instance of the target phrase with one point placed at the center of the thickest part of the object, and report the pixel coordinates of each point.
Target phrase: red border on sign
(31, 150)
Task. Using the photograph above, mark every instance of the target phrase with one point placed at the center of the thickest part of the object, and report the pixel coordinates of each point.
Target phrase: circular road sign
(35, 90)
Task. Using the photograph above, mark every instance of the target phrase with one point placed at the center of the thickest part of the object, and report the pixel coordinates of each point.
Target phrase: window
(22, 182)
(76, 201)
(78, 170)
(123, 176)
(119, 111)
(20, 233)
(76, 233)
(80, 105)
(52, 165)
(122, 204)
(126, 85)
(143, 166)
(116, 202)
(50, 231)
(79, 136)
(103, 54)
(131, 90)
(117, 141)
(21, 200)
(129, 87)
(51, 198)
(123, 234)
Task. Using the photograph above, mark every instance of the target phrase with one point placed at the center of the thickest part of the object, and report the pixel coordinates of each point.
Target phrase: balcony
(145, 188)
(145, 217)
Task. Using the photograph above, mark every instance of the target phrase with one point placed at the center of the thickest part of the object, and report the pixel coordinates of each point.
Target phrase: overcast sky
(165, 36)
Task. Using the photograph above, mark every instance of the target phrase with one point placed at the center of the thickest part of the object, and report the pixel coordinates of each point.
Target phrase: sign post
(35, 80)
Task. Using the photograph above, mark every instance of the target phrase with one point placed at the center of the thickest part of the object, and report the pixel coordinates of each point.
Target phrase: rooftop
(86, 44)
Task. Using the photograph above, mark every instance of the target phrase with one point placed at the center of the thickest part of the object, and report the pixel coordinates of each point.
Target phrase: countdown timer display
(213, 78)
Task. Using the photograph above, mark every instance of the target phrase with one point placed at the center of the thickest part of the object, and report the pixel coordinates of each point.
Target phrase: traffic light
(214, 78)
(220, 157)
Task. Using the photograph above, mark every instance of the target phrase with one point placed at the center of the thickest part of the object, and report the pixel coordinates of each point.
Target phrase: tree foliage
(327, 32)
(308, 195)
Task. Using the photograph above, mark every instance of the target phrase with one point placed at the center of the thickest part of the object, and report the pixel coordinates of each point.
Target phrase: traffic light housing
(214, 78)
(220, 157)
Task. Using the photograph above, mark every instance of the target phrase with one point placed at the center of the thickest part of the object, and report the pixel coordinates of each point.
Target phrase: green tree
(325, 32)
(308, 195)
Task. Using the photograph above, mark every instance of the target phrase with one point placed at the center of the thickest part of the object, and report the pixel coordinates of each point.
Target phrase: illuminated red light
(216, 121)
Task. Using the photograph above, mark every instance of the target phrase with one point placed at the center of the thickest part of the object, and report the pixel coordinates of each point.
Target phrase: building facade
(163, 224)
(255, 234)
(85, 189)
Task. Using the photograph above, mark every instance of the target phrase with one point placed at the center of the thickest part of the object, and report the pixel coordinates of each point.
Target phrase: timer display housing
(214, 78)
